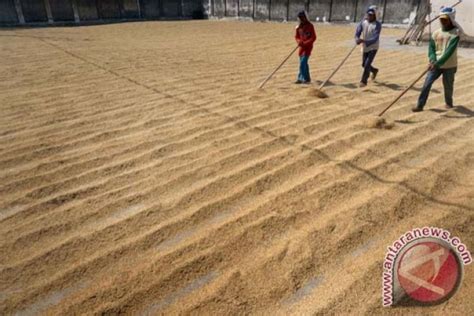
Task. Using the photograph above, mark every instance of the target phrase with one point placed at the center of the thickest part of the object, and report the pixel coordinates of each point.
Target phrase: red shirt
(306, 35)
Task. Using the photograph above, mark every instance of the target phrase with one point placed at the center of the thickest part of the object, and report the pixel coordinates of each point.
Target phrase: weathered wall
(219, 8)
(363, 5)
(397, 11)
(8, 12)
(87, 10)
(232, 7)
(343, 11)
(129, 9)
(464, 13)
(150, 8)
(190, 7)
(62, 10)
(76, 11)
(320, 10)
(400, 11)
(171, 8)
(108, 9)
(279, 10)
(295, 7)
(246, 8)
(34, 11)
(262, 9)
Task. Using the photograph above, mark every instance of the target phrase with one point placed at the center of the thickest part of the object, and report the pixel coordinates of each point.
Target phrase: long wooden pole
(404, 91)
(276, 69)
(437, 17)
(411, 29)
(337, 68)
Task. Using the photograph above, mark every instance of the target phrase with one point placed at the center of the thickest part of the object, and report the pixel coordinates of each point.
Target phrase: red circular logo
(429, 272)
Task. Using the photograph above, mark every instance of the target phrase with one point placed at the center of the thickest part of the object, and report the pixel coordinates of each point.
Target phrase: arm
(358, 31)
(312, 39)
(432, 51)
(453, 44)
(297, 37)
(375, 37)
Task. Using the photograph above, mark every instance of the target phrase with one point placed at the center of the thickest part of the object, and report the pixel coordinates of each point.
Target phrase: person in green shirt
(442, 54)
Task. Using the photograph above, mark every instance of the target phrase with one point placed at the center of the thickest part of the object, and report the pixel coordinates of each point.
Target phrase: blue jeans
(448, 83)
(304, 69)
(367, 60)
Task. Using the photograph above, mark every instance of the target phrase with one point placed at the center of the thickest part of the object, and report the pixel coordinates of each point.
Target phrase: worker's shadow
(328, 84)
(397, 87)
(461, 112)
(439, 110)
(408, 121)
(349, 85)
(392, 86)
(345, 85)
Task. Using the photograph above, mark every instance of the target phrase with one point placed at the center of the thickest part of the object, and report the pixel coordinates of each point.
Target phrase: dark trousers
(367, 60)
(448, 83)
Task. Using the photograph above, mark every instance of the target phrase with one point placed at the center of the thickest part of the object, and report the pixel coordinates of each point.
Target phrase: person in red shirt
(305, 37)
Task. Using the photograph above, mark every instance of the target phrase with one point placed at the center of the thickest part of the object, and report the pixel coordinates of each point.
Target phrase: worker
(305, 37)
(442, 54)
(368, 35)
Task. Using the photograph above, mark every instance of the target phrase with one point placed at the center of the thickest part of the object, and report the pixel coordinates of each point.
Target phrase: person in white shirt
(368, 35)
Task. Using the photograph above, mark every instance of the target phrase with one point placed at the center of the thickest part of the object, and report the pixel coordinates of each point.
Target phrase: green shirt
(443, 48)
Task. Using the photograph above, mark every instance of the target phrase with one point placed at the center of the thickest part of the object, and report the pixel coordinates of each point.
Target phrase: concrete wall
(108, 9)
(262, 9)
(464, 14)
(150, 8)
(279, 10)
(190, 7)
(34, 11)
(77, 11)
(129, 9)
(87, 10)
(171, 8)
(343, 11)
(232, 8)
(44, 11)
(400, 11)
(219, 8)
(295, 7)
(246, 8)
(363, 5)
(320, 10)
(8, 12)
(61, 10)
(397, 11)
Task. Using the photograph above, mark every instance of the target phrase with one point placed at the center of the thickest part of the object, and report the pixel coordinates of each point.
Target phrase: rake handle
(276, 69)
(404, 91)
(405, 38)
(437, 17)
(338, 67)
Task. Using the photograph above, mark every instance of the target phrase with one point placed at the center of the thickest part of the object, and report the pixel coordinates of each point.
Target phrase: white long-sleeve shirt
(370, 33)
